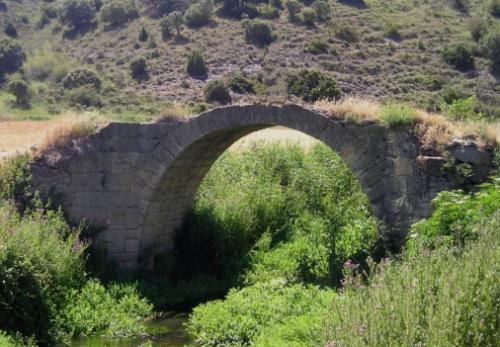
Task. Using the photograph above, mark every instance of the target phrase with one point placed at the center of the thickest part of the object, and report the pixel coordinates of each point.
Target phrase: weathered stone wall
(138, 181)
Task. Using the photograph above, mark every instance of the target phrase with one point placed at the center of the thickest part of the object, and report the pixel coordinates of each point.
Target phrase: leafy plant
(257, 32)
(308, 16)
(491, 42)
(460, 56)
(394, 115)
(241, 85)
(11, 56)
(313, 85)
(316, 46)
(77, 14)
(81, 77)
(199, 14)
(138, 69)
(20, 89)
(119, 12)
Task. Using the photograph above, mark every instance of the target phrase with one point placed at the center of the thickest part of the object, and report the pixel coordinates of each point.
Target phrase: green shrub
(478, 27)
(463, 109)
(81, 77)
(316, 46)
(257, 32)
(313, 85)
(347, 33)
(455, 219)
(268, 11)
(39, 262)
(241, 85)
(308, 16)
(10, 30)
(15, 341)
(236, 8)
(119, 12)
(195, 66)
(175, 20)
(494, 8)
(238, 320)
(84, 96)
(216, 91)
(49, 10)
(322, 9)
(143, 35)
(15, 178)
(293, 7)
(199, 14)
(139, 69)
(20, 89)
(117, 311)
(11, 56)
(394, 115)
(393, 31)
(46, 64)
(77, 14)
(460, 56)
(491, 43)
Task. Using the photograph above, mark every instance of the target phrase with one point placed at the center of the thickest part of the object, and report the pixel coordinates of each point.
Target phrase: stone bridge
(138, 181)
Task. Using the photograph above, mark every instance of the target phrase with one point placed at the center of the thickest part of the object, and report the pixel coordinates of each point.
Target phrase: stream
(168, 331)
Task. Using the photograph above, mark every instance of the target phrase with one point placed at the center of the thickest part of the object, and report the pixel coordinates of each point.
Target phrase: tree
(459, 56)
(143, 34)
(11, 56)
(293, 7)
(10, 30)
(196, 65)
(308, 16)
(81, 77)
(138, 69)
(218, 92)
(118, 12)
(491, 42)
(313, 85)
(20, 90)
(168, 24)
(199, 14)
(77, 14)
(322, 9)
(257, 32)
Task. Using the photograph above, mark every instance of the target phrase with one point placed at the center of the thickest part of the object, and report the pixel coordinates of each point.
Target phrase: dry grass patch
(67, 133)
(434, 130)
(176, 112)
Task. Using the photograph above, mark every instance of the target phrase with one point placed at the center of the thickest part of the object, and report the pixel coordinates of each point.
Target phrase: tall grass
(438, 294)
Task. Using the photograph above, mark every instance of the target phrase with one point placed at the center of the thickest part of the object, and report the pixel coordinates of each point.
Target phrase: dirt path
(20, 136)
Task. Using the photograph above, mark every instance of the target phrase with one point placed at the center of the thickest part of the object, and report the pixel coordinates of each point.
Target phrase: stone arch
(194, 146)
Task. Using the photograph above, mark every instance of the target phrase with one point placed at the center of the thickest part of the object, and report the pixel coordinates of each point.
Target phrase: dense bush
(491, 42)
(494, 7)
(316, 46)
(171, 22)
(84, 96)
(478, 27)
(139, 69)
(44, 290)
(313, 85)
(195, 66)
(81, 77)
(199, 14)
(257, 32)
(293, 7)
(277, 213)
(460, 56)
(46, 64)
(455, 219)
(322, 9)
(463, 109)
(308, 16)
(394, 115)
(347, 33)
(77, 14)
(118, 12)
(268, 11)
(242, 315)
(241, 85)
(11, 56)
(10, 30)
(20, 89)
(216, 91)
(236, 8)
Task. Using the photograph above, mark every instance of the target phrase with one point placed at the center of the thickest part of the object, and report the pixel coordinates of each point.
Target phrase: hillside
(385, 49)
